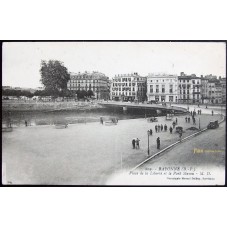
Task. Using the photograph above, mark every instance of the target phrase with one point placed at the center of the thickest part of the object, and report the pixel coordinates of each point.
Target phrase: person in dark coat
(158, 143)
(186, 119)
(156, 128)
(176, 120)
(133, 143)
(171, 130)
(26, 123)
(151, 132)
(180, 135)
(189, 119)
(212, 112)
(174, 124)
(165, 127)
(161, 127)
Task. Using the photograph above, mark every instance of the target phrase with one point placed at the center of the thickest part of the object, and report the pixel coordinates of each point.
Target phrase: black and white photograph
(114, 113)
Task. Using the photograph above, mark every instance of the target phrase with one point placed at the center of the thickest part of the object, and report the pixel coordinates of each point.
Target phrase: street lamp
(148, 134)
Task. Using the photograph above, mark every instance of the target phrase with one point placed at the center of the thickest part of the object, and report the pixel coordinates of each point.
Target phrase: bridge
(159, 108)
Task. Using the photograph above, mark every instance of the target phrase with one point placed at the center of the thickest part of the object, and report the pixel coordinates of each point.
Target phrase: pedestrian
(206, 106)
(194, 121)
(26, 123)
(151, 132)
(191, 113)
(161, 127)
(171, 130)
(200, 111)
(189, 119)
(165, 127)
(158, 143)
(212, 112)
(101, 120)
(156, 128)
(133, 143)
(186, 119)
(176, 120)
(174, 124)
(137, 143)
(180, 135)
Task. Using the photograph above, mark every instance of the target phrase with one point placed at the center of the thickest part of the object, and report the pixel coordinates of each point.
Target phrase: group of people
(135, 143)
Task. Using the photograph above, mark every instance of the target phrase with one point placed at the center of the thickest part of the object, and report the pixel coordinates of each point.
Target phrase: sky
(21, 60)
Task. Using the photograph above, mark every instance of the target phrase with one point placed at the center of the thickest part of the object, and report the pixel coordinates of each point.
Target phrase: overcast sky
(21, 61)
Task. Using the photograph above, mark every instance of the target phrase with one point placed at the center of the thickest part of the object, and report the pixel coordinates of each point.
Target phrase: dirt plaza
(83, 154)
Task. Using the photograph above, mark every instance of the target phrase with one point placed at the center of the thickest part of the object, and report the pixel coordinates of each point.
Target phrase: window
(170, 98)
(151, 88)
(157, 88)
(163, 88)
(171, 88)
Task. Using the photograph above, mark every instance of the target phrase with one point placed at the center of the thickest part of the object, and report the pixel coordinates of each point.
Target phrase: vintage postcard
(135, 113)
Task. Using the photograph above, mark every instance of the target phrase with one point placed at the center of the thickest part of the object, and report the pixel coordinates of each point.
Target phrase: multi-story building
(204, 90)
(162, 88)
(128, 87)
(94, 81)
(223, 84)
(189, 88)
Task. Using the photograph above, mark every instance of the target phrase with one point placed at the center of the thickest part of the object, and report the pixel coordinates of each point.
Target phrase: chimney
(182, 73)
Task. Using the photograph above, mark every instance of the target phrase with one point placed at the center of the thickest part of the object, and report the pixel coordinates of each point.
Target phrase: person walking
(189, 119)
(161, 127)
(156, 128)
(191, 113)
(212, 112)
(133, 143)
(180, 135)
(26, 123)
(158, 143)
(176, 120)
(174, 124)
(137, 143)
(194, 121)
(171, 130)
(186, 119)
(151, 132)
(165, 127)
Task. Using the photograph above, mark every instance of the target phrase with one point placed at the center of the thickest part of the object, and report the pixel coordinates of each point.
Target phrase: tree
(81, 94)
(90, 93)
(54, 76)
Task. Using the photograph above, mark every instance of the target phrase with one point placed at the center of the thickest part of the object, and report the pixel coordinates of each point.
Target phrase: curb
(172, 145)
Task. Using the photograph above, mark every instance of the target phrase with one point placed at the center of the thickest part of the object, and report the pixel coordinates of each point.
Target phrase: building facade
(223, 85)
(128, 87)
(189, 89)
(162, 88)
(94, 81)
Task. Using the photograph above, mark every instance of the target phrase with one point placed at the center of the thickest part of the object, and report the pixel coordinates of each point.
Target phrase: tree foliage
(17, 93)
(54, 76)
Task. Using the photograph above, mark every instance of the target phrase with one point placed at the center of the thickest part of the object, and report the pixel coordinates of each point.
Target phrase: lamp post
(148, 134)
(199, 122)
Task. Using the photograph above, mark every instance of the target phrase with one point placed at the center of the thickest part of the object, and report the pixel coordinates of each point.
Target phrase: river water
(18, 118)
